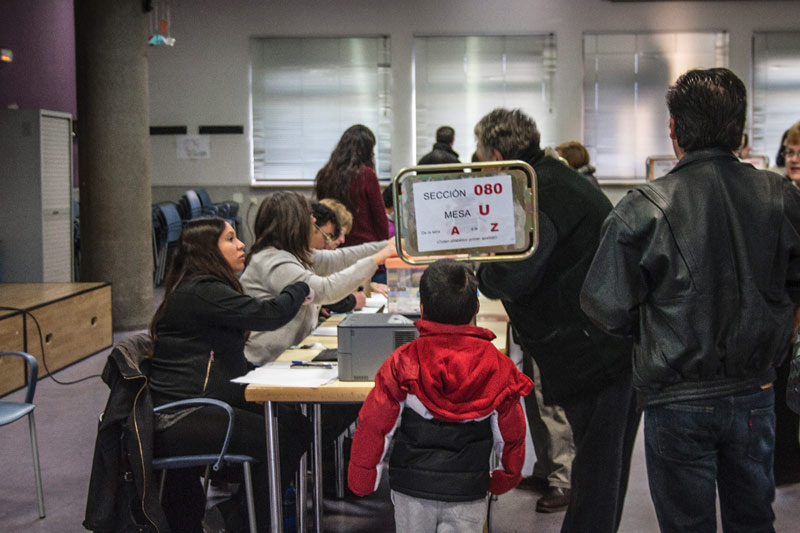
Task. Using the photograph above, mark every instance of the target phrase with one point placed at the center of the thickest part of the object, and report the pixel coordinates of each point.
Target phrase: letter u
(481, 209)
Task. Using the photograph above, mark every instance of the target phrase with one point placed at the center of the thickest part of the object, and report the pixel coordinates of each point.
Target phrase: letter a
(480, 208)
(455, 231)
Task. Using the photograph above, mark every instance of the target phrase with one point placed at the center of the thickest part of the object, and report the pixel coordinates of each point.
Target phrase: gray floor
(66, 418)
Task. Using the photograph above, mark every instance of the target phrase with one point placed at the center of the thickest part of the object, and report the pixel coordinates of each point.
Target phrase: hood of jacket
(457, 373)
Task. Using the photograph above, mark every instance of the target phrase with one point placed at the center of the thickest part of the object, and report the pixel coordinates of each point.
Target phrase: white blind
(625, 80)
(457, 80)
(776, 89)
(306, 92)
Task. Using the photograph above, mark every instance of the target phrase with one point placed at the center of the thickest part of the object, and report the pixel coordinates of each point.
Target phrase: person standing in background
(443, 148)
(791, 154)
(577, 156)
(349, 176)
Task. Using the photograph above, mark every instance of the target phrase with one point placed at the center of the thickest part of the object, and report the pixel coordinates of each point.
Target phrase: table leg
(317, 419)
(273, 455)
(302, 485)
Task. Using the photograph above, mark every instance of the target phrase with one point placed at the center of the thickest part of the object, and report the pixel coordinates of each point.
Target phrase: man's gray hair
(507, 131)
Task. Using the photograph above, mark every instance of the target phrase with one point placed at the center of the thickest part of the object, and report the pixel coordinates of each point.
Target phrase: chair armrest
(212, 402)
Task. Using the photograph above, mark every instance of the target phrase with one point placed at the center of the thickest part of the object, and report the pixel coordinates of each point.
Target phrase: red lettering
(455, 231)
(498, 188)
(481, 209)
(478, 190)
(494, 227)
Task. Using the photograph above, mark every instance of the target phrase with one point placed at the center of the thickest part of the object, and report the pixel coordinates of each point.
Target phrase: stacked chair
(169, 218)
(167, 227)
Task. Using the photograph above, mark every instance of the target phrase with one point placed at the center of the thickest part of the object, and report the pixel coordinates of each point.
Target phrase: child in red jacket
(448, 399)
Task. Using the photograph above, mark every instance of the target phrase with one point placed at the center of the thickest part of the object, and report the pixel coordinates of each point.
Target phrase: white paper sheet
(368, 310)
(282, 374)
(325, 331)
(376, 300)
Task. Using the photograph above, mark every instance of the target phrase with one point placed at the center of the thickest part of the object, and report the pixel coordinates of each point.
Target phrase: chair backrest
(193, 208)
(190, 460)
(33, 372)
(205, 199)
(172, 219)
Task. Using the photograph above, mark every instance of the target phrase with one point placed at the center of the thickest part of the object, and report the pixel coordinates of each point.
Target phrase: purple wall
(41, 34)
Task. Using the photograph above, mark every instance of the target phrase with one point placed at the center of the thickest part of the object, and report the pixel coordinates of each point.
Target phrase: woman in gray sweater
(282, 254)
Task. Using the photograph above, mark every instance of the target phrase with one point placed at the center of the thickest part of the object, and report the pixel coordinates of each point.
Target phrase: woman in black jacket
(199, 332)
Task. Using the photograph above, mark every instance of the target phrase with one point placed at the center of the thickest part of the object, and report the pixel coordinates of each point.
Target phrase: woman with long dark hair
(199, 332)
(349, 176)
(283, 253)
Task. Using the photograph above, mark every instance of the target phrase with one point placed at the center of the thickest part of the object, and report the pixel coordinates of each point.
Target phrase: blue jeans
(695, 448)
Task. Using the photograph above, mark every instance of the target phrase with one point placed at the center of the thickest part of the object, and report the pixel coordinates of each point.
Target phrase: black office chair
(13, 411)
(209, 460)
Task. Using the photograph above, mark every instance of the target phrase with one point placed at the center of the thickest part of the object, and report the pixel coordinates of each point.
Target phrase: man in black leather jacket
(702, 269)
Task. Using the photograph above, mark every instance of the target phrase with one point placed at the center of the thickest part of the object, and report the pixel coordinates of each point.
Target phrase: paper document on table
(283, 375)
(325, 331)
(368, 310)
(376, 300)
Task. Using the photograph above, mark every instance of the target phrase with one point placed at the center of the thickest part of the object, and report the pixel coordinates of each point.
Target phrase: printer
(367, 340)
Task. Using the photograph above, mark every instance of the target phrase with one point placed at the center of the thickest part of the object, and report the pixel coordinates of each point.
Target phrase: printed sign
(464, 213)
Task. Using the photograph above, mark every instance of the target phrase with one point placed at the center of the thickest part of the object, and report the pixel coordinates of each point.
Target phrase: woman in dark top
(349, 176)
(199, 333)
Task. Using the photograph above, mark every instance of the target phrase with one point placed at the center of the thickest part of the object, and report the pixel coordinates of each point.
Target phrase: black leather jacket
(702, 268)
(123, 495)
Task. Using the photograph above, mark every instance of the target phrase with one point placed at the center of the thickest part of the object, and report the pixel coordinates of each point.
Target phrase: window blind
(305, 92)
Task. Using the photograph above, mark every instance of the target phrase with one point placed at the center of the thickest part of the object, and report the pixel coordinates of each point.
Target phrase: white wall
(204, 79)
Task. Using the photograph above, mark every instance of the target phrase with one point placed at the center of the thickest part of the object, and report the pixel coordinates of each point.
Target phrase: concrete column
(114, 154)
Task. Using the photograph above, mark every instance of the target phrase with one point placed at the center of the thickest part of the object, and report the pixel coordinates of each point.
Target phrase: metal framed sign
(466, 211)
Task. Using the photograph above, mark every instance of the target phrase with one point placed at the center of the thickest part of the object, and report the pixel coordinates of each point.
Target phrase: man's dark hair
(448, 292)
(445, 134)
(388, 199)
(708, 107)
(325, 214)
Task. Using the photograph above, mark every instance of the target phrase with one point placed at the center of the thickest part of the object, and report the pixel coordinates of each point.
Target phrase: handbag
(793, 382)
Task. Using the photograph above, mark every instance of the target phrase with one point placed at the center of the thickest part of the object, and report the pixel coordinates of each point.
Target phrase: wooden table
(75, 321)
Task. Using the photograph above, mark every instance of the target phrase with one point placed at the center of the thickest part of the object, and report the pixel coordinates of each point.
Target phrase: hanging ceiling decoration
(159, 23)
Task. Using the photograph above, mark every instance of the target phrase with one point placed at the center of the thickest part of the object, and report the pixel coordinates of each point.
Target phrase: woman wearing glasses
(284, 252)
(791, 154)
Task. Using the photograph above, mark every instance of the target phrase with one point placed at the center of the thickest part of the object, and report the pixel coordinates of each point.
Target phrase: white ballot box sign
(465, 213)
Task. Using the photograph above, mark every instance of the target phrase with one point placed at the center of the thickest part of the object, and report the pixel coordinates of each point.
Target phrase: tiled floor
(66, 418)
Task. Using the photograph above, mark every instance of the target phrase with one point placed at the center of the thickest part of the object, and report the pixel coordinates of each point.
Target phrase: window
(457, 80)
(775, 97)
(306, 92)
(625, 80)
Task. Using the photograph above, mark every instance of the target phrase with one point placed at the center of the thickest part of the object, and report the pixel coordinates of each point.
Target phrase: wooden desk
(75, 319)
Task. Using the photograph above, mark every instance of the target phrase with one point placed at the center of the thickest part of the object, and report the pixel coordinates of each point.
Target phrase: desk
(336, 392)
(75, 319)
(491, 316)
